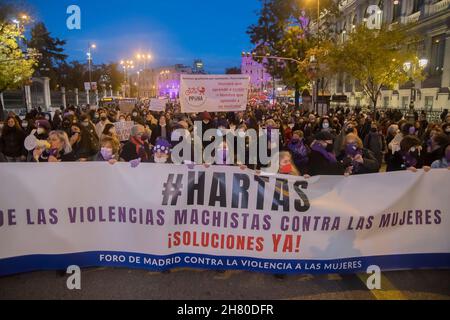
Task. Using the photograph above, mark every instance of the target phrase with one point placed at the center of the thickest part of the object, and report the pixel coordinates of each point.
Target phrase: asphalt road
(101, 283)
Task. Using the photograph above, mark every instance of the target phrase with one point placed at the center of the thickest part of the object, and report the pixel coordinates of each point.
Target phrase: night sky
(176, 31)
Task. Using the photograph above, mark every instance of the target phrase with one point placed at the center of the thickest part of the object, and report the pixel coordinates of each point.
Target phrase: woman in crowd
(299, 151)
(361, 160)
(434, 148)
(12, 141)
(59, 149)
(109, 150)
(322, 160)
(138, 147)
(410, 155)
(83, 145)
(444, 162)
(375, 142)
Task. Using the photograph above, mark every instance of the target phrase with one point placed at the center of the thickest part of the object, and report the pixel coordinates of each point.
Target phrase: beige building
(432, 19)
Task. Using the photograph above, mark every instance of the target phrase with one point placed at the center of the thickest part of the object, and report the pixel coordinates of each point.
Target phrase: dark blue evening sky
(175, 31)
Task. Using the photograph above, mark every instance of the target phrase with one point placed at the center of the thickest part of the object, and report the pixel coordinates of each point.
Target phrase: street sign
(90, 86)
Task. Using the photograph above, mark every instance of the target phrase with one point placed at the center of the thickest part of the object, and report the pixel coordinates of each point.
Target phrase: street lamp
(410, 69)
(89, 54)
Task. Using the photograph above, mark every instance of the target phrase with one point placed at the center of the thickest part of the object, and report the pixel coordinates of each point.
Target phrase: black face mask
(103, 118)
(349, 130)
(374, 130)
(66, 124)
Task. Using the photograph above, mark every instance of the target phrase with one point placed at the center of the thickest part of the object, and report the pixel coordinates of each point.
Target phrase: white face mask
(24, 125)
(161, 160)
(241, 133)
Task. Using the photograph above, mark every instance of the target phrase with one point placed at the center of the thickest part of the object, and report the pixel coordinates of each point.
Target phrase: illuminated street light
(89, 54)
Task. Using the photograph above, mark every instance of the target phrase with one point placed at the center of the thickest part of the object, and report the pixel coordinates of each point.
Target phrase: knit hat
(206, 116)
(43, 124)
(162, 146)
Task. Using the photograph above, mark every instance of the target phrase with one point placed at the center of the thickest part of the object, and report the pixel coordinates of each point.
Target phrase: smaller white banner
(123, 130)
(213, 93)
(158, 104)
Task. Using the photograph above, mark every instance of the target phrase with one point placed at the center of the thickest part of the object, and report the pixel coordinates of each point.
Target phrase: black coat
(129, 152)
(370, 165)
(318, 165)
(12, 143)
(397, 162)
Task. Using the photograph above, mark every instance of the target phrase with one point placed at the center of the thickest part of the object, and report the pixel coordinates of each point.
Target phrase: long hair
(62, 136)
(287, 154)
(7, 129)
(352, 136)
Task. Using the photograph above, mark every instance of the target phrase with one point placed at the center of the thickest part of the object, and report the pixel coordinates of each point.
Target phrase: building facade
(162, 81)
(260, 80)
(431, 20)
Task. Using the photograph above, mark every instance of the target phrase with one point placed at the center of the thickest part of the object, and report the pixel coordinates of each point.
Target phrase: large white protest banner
(123, 130)
(158, 104)
(213, 93)
(159, 217)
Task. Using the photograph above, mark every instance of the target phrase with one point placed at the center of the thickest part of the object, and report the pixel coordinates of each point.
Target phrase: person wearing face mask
(43, 128)
(444, 161)
(361, 159)
(409, 157)
(435, 145)
(137, 149)
(12, 141)
(310, 129)
(100, 126)
(82, 146)
(299, 151)
(287, 165)
(161, 151)
(109, 150)
(160, 129)
(325, 125)
(375, 142)
(348, 128)
(322, 160)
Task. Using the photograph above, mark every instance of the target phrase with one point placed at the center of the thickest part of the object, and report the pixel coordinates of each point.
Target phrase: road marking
(388, 290)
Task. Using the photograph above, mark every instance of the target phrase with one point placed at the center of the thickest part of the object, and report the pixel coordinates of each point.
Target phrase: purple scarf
(328, 155)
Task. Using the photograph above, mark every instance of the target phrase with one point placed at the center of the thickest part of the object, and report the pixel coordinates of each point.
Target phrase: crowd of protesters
(343, 142)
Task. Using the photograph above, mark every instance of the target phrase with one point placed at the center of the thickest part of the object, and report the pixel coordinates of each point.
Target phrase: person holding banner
(444, 162)
(137, 149)
(362, 160)
(84, 146)
(110, 150)
(410, 155)
(161, 151)
(322, 160)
